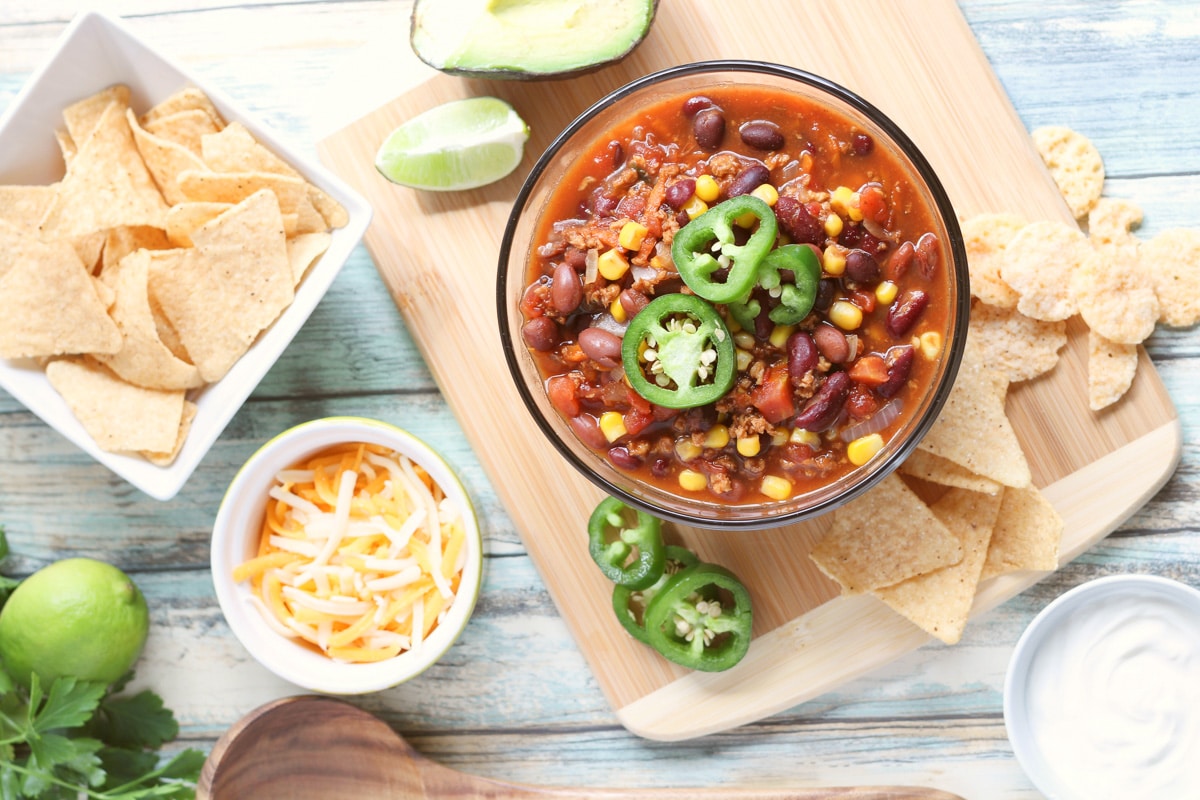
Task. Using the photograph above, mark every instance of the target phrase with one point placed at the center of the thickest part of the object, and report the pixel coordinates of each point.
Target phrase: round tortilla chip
(985, 237)
(1171, 260)
(1038, 264)
(1074, 163)
(1111, 367)
(1114, 298)
(1111, 222)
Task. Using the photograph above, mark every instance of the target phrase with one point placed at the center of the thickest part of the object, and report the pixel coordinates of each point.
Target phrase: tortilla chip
(1172, 262)
(935, 469)
(1026, 536)
(1074, 163)
(143, 359)
(1038, 264)
(303, 250)
(51, 303)
(120, 242)
(82, 117)
(185, 99)
(1019, 347)
(1111, 369)
(234, 187)
(939, 602)
(234, 283)
(185, 127)
(66, 146)
(165, 160)
(973, 430)
(185, 427)
(985, 237)
(119, 416)
(1111, 222)
(885, 536)
(107, 185)
(1115, 298)
(25, 206)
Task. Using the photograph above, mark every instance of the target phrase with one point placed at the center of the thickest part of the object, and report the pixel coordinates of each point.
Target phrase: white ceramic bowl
(1102, 695)
(94, 52)
(235, 539)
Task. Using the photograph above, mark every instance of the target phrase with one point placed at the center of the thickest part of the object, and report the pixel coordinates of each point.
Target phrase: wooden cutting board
(437, 254)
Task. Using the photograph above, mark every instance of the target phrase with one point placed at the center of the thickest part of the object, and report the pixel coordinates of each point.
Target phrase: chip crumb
(1111, 368)
(1074, 164)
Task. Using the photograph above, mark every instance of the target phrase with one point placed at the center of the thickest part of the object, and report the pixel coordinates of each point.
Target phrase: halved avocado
(527, 39)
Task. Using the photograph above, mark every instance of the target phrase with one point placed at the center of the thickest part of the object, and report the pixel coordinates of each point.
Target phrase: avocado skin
(526, 74)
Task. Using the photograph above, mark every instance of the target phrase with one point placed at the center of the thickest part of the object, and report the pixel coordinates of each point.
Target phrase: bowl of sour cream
(1102, 694)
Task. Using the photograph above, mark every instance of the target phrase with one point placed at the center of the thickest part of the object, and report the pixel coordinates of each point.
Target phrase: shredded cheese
(360, 554)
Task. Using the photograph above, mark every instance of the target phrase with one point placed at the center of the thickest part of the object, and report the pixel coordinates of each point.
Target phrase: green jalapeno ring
(796, 299)
(701, 619)
(693, 246)
(629, 555)
(689, 353)
(630, 604)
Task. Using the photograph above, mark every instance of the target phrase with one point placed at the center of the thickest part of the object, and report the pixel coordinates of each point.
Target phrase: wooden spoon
(320, 748)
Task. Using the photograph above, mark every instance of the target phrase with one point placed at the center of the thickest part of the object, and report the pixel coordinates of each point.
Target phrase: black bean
(679, 193)
(540, 333)
(824, 407)
(802, 356)
(708, 126)
(826, 290)
(603, 347)
(861, 267)
(761, 135)
(905, 311)
(566, 293)
(695, 104)
(831, 343)
(748, 180)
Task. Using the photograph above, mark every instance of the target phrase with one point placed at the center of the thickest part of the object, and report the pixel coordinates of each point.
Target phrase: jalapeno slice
(701, 619)
(712, 232)
(797, 294)
(626, 544)
(677, 352)
(630, 604)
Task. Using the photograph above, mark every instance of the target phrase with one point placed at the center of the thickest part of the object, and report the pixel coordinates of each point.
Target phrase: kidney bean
(861, 267)
(899, 361)
(695, 104)
(708, 126)
(632, 301)
(861, 144)
(603, 205)
(927, 254)
(831, 343)
(824, 407)
(679, 193)
(575, 257)
(901, 260)
(748, 180)
(612, 157)
(566, 292)
(603, 347)
(802, 356)
(622, 458)
(761, 135)
(587, 428)
(905, 311)
(660, 467)
(540, 333)
(797, 222)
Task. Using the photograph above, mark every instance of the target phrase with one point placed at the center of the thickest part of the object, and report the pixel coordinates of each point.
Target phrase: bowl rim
(258, 639)
(941, 204)
(1037, 633)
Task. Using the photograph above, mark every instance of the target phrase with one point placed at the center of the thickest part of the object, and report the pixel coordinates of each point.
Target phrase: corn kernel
(718, 437)
(687, 450)
(931, 344)
(744, 340)
(707, 188)
(692, 481)
(612, 425)
(780, 334)
(747, 220)
(833, 261)
(632, 235)
(775, 487)
(743, 359)
(767, 193)
(748, 446)
(695, 207)
(805, 436)
(864, 448)
(886, 292)
(845, 315)
(833, 225)
(844, 201)
(779, 438)
(617, 310)
(612, 264)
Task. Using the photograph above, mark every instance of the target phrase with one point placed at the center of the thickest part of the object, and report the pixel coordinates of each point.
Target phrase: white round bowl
(1102, 694)
(235, 539)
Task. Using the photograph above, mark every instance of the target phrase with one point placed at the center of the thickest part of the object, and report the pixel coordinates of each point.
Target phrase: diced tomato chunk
(773, 396)
(564, 395)
(637, 420)
(870, 370)
(861, 403)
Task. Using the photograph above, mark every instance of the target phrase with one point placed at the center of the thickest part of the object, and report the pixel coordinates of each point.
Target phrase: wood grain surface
(515, 700)
(437, 254)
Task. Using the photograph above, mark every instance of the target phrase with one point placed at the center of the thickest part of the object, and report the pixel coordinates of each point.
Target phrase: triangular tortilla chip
(185, 427)
(1027, 535)
(303, 250)
(81, 117)
(165, 160)
(185, 99)
(939, 602)
(185, 127)
(935, 469)
(25, 206)
(883, 537)
(106, 185)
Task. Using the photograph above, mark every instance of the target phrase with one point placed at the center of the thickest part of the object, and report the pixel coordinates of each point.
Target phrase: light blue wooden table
(514, 699)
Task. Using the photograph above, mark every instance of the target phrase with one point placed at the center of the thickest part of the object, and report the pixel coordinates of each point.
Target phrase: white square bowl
(94, 52)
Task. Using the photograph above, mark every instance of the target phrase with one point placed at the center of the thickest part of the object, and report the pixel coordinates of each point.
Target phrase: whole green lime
(76, 617)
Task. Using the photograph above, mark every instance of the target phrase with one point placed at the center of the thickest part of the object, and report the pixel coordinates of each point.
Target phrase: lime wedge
(457, 145)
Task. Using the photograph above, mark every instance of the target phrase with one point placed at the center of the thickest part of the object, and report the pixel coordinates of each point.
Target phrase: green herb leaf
(69, 704)
(134, 722)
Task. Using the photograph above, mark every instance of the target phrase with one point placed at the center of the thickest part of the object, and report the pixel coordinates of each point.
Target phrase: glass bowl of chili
(733, 294)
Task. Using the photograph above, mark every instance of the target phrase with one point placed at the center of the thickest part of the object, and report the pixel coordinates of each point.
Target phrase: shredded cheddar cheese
(360, 554)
